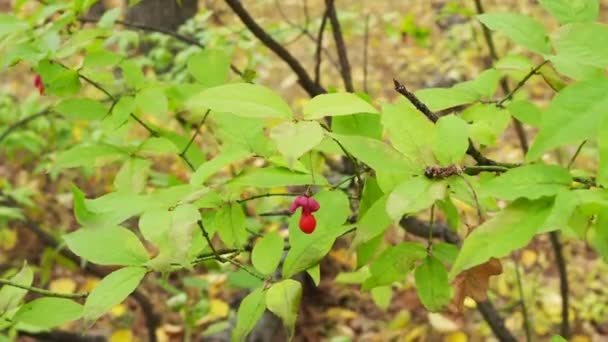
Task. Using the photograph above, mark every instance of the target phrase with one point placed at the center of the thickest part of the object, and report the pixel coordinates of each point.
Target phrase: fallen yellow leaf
(456, 336)
(62, 285)
(122, 335)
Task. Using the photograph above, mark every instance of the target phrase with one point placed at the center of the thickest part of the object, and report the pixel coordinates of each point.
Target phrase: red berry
(307, 223)
(38, 84)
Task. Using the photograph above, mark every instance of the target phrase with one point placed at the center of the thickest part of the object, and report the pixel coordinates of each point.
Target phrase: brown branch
(319, 48)
(340, 46)
(563, 283)
(304, 79)
(519, 127)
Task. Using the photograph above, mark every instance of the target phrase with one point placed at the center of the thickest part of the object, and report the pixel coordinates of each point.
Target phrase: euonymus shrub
(107, 112)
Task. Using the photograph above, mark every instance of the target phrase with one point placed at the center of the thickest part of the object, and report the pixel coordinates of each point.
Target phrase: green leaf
(382, 295)
(582, 44)
(414, 195)
(557, 338)
(369, 250)
(133, 175)
(221, 160)
(293, 139)
(336, 104)
(367, 125)
(107, 246)
(89, 156)
(109, 17)
(101, 58)
(308, 249)
(283, 299)
(157, 146)
(432, 284)
(231, 225)
(315, 274)
(378, 155)
(11, 296)
(410, 132)
(445, 252)
(242, 99)
(373, 223)
(152, 101)
(267, 253)
(355, 277)
(602, 147)
(250, 311)
(511, 229)
(572, 11)
(526, 112)
(10, 24)
(451, 140)
(209, 67)
(487, 122)
(49, 312)
(442, 98)
(111, 291)
(58, 80)
(81, 109)
(523, 30)
(132, 74)
(121, 112)
(572, 116)
(529, 181)
(175, 239)
(271, 177)
(394, 264)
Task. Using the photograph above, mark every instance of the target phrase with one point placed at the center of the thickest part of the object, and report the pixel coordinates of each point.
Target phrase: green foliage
(48, 312)
(195, 154)
(111, 291)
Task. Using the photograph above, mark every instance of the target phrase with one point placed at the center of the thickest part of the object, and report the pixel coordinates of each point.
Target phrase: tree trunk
(165, 14)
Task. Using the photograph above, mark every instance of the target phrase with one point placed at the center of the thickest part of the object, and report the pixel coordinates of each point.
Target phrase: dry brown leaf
(474, 283)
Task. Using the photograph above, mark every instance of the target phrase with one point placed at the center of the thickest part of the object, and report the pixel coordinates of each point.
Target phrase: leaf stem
(43, 291)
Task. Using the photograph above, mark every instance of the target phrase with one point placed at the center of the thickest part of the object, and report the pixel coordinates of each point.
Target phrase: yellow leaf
(218, 308)
(8, 238)
(90, 284)
(118, 310)
(339, 314)
(528, 258)
(122, 335)
(456, 336)
(580, 338)
(62, 285)
(442, 323)
(415, 334)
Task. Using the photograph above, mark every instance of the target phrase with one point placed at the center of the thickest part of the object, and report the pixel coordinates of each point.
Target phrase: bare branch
(305, 81)
(340, 46)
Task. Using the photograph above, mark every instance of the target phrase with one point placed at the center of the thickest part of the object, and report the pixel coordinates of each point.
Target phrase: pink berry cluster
(309, 205)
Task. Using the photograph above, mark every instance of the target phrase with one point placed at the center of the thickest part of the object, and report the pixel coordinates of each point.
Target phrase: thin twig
(340, 46)
(266, 195)
(23, 122)
(219, 257)
(305, 81)
(521, 83)
(575, 155)
(195, 134)
(519, 127)
(365, 52)
(43, 292)
(522, 300)
(563, 283)
(318, 59)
